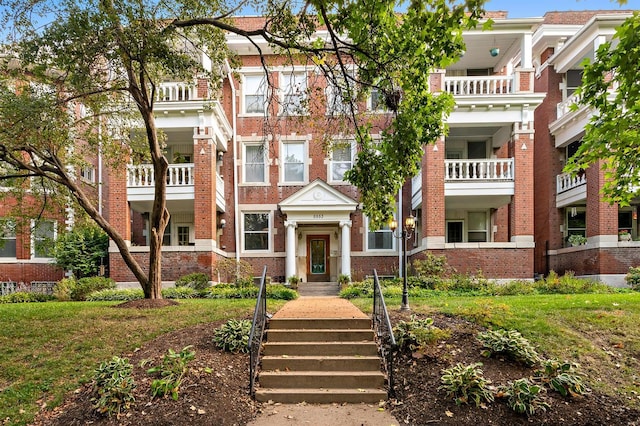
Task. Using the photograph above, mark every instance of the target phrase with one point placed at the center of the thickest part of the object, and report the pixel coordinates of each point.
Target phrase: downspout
(234, 140)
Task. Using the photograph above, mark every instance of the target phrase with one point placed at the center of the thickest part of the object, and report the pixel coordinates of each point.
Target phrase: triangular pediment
(318, 195)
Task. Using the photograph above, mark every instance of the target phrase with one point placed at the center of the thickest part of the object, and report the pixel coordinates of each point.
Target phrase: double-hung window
(256, 230)
(7, 238)
(42, 238)
(380, 239)
(254, 170)
(293, 161)
(341, 160)
(293, 87)
(255, 94)
(477, 227)
(340, 95)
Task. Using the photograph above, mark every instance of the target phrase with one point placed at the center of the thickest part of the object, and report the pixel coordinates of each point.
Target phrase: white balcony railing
(566, 181)
(564, 107)
(176, 91)
(471, 86)
(479, 169)
(142, 175)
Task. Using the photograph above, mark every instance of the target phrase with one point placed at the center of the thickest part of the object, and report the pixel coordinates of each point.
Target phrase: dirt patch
(215, 392)
(146, 304)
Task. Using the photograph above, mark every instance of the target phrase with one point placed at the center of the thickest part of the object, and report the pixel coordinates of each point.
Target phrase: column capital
(344, 223)
(290, 223)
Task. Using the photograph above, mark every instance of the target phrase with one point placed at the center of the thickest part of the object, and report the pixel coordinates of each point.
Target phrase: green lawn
(47, 349)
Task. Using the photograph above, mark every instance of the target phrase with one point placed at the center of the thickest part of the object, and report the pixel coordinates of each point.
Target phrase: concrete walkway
(322, 414)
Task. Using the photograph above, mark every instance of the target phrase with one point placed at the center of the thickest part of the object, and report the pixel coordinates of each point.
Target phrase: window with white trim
(43, 234)
(255, 164)
(340, 95)
(293, 87)
(88, 174)
(256, 228)
(576, 221)
(254, 89)
(341, 160)
(376, 100)
(293, 161)
(7, 238)
(380, 239)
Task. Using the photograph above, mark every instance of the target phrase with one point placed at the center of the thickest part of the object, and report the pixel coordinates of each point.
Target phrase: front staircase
(321, 360)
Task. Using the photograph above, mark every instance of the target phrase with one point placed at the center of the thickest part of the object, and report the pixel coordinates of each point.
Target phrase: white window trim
(243, 104)
(488, 236)
(192, 233)
(331, 92)
(265, 178)
(32, 247)
(446, 230)
(394, 245)
(378, 110)
(306, 160)
(269, 232)
(331, 162)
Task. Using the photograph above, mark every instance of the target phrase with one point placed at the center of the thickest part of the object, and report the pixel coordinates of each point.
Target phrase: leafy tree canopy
(612, 137)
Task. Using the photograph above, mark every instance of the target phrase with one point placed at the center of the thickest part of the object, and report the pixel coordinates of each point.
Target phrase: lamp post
(405, 234)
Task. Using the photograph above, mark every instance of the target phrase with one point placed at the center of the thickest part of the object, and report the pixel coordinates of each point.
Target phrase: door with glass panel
(318, 258)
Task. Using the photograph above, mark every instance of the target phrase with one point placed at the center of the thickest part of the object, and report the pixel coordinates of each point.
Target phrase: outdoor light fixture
(405, 234)
(494, 51)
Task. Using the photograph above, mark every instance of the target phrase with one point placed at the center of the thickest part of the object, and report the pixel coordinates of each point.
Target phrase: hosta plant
(113, 386)
(233, 336)
(561, 376)
(417, 333)
(466, 383)
(509, 343)
(171, 371)
(523, 396)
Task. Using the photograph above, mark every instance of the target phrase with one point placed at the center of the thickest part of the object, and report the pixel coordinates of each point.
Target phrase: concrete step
(319, 335)
(321, 363)
(321, 379)
(322, 396)
(318, 289)
(320, 348)
(319, 323)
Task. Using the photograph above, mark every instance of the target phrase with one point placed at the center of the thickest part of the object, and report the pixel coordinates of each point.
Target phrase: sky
(537, 8)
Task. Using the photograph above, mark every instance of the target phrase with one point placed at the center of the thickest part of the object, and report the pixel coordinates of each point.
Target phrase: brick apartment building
(248, 180)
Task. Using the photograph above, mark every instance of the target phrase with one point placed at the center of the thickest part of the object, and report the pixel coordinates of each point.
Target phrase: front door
(317, 258)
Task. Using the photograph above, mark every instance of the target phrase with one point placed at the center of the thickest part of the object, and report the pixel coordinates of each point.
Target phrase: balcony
(570, 189)
(479, 183)
(177, 92)
(479, 86)
(180, 186)
(564, 107)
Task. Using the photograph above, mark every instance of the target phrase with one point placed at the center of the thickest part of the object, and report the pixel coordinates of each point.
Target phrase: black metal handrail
(257, 332)
(384, 331)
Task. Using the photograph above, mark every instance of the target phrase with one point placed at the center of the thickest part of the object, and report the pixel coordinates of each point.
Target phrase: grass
(48, 349)
(599, 331)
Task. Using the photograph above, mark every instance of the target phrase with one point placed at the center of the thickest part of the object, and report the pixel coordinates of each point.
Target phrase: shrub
(561, 376)
(509, 343)
(417, 333)
(112, 295)
(25, 297)
(569, 284)
(431, 266)
(171, 371)
(358, 289)
(196, 281)
(113, 386)
(523, 396)
(85, 286)
(81, 250)
(514, 288)
(233, 336)
(179, 293)
(466, 383)
(280, 292)
(62, 289)
(633, 278)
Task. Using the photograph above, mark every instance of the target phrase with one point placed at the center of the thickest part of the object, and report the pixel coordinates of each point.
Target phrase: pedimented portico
(318, 232)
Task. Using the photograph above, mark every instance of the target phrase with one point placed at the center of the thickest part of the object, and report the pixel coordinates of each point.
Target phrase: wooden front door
(317, 258)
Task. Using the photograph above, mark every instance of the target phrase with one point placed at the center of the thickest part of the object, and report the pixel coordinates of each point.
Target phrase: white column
(290, 247)
(346, 247)
(526, 50)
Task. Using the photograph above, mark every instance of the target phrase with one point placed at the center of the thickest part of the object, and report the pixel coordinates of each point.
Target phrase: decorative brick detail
(602, 217)
(204, 202)
(119, 213)
(433, 206)
(521, 208)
